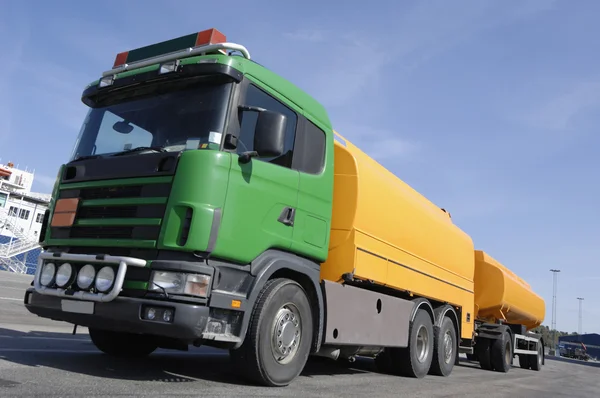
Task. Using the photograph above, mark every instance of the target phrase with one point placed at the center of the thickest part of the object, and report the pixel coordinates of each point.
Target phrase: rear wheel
(415, 360)
(279, 335)
(502, 353)
(444, 352)
(524, 361)
(483, 349)
(119, 344)
(536, 362)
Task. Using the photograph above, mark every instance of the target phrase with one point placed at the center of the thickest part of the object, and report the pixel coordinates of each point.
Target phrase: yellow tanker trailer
(422, 273)
(501, 297)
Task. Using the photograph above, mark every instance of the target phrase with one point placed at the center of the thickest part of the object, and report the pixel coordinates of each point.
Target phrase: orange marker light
(64, 212)
(210, 36)
(121, 59)
(236, 303)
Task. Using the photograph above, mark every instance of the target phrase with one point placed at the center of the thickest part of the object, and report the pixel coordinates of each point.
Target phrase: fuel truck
(209, 201)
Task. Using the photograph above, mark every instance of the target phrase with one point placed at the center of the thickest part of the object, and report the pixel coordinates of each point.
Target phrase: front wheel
(119, 344)
(279, 335)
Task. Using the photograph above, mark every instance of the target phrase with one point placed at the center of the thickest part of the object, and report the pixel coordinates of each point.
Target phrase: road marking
(70, 351)
(10, 298)
(22, 289)
(49, 350)
(47, 338)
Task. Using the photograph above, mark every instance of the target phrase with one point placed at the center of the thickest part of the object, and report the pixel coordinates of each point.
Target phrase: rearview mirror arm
(245, 157)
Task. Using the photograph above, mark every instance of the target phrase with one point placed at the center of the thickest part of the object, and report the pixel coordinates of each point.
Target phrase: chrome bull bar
(123, 263)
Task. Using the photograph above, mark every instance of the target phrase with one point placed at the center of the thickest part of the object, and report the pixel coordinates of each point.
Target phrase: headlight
(105, 279)
(170, 281)
(47, 274)
(86, 275)
(178, 283)
(63, 275)
(197, 285)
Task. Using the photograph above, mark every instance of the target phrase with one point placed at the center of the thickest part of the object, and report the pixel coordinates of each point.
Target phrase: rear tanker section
(385, 232)
(500, 295)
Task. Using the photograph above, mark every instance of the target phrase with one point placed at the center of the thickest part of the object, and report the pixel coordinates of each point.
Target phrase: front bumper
(124, 314)
(220, 322)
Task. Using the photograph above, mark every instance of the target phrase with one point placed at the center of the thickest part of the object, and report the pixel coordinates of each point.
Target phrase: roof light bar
(207, 41)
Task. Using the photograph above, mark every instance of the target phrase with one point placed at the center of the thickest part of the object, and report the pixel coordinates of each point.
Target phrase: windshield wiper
(140, 149)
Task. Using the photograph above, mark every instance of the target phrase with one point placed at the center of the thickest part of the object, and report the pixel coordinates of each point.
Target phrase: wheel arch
(447, 310)
(422, 303)
(278, 264)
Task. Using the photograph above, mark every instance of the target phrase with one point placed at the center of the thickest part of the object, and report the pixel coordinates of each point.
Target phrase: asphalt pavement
(39, 357)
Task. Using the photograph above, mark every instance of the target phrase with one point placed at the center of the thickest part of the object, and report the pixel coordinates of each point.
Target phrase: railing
(9, 221)
(14, 265)
(15, 248)
(22, 243)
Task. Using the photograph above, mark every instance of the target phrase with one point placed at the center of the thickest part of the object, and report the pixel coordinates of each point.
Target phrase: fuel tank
(501, 295)
(385, 232)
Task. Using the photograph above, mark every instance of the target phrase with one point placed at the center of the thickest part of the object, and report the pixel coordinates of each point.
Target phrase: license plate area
(79, 307)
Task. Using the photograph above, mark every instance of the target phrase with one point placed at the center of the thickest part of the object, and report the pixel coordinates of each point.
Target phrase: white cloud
(13, 47)
(92, 40)
(380, 144)
(557, 112)
(46, 181)
(351, 63)
(311, 35)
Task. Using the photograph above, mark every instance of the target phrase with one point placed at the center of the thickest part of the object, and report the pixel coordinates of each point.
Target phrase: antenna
(553, 328)
(580, 317)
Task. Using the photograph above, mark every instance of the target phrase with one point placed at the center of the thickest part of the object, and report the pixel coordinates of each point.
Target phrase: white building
(21, 216)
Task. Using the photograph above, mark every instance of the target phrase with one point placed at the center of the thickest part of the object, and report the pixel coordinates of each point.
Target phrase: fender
(424, 304)
(265, 266)
(441, 312)
(493, 331)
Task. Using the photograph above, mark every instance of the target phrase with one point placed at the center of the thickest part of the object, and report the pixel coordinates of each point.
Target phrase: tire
(415, 360)
(444, 349)
(118, 344)
(280, 302)
(502, 353)
(483, 348)
(524, 361)
(536, 361)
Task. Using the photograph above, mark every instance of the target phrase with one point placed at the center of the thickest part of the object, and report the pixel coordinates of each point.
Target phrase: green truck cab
(196, 206)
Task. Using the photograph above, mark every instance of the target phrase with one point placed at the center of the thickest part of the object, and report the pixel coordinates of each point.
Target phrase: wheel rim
(422, 344)
(286, 333)
(507, 353)
(540, 356)
(448, 347)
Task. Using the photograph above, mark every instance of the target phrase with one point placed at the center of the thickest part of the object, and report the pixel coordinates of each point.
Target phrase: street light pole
(580, 317)
(553, 331)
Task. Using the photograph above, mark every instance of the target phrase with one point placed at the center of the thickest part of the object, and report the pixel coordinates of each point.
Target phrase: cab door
(262, 195)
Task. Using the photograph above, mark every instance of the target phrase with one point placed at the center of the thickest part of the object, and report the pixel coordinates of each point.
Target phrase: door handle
(287, 216)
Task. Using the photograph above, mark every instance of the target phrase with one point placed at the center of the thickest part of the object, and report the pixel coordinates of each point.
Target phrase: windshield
(190, 118)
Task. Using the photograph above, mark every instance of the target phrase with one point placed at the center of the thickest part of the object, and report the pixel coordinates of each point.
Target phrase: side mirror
(269, 134)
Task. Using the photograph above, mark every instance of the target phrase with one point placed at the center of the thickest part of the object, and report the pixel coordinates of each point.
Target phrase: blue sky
(489, 108)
